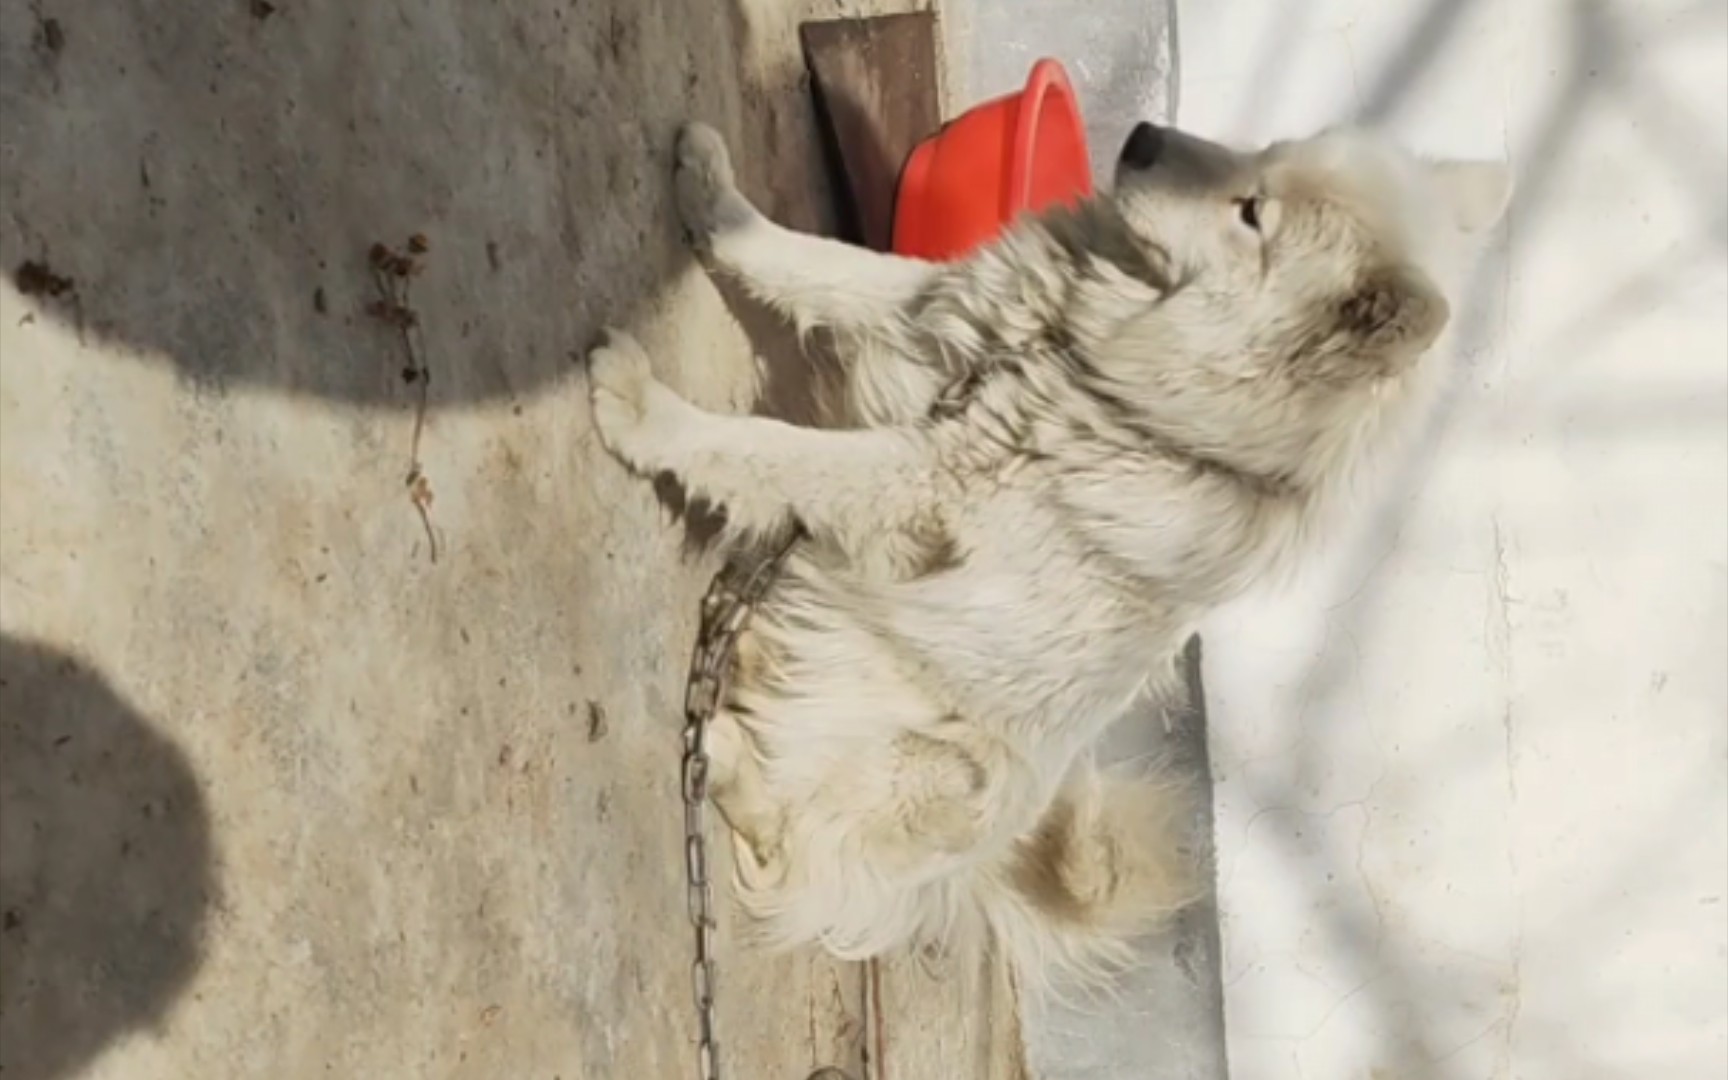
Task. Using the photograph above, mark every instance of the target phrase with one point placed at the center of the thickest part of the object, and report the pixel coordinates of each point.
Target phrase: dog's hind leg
(849, 485)
(815, 282)
(740, 791)
(954, 788)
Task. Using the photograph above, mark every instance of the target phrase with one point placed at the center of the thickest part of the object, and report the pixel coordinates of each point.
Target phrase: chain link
(736, 591)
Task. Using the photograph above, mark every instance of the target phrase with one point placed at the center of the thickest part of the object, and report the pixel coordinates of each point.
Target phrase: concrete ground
(283, 796)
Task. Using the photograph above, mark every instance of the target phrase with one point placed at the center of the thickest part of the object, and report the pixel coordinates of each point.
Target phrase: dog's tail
(1109, 862)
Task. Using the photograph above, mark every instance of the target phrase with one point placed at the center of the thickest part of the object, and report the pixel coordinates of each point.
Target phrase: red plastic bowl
(1017, 154)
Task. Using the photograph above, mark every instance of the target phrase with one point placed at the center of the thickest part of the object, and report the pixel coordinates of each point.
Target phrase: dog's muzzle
(1144, 146)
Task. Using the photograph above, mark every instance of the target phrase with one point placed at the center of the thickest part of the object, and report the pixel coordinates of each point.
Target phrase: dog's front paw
(708, 198)
(624, 394)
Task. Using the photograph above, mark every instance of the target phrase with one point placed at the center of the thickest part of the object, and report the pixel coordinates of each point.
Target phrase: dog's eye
(1249, 211)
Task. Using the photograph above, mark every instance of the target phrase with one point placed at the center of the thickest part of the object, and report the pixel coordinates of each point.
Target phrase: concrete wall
(280, 795)
(1472, 814)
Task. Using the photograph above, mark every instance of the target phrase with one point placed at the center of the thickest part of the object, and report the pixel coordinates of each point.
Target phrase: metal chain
(736, 591)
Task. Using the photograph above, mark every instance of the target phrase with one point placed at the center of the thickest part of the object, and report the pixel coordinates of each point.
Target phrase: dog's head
(1307, 274)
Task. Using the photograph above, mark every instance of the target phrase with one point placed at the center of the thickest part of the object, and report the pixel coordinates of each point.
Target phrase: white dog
(1065, 450)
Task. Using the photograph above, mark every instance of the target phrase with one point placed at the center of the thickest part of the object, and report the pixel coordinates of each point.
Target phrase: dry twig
(393, 273)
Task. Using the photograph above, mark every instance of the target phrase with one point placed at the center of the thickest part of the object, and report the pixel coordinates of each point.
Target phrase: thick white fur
(1147, 405)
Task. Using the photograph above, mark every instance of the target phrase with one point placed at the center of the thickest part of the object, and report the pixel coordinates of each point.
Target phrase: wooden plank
(875, 83)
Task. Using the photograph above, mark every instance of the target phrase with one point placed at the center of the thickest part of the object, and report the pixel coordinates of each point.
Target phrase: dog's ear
(1395, 310)
(1475, 193)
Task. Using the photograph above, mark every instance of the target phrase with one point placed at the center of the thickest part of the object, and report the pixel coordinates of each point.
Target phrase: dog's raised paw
(708, 197)
(620, 388)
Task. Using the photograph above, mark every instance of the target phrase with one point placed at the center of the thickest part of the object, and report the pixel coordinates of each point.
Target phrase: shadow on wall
(202, 182)
(106, 871)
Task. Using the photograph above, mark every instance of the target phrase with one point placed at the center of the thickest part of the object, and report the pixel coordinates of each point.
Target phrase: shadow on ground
(106, 872)
(201, 183)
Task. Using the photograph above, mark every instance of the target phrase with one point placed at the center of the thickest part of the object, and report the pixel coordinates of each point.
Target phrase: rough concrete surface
(282, 796)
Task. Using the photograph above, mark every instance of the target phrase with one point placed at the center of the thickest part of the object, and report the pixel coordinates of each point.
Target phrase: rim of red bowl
(1046, 86)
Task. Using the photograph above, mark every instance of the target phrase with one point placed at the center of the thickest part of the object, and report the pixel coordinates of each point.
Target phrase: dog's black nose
(1144, 146)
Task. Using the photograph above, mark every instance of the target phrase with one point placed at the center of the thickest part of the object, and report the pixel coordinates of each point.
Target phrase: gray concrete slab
(1165, 1020)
